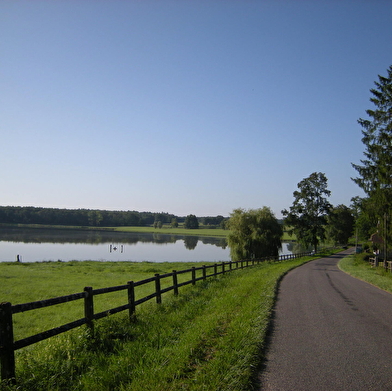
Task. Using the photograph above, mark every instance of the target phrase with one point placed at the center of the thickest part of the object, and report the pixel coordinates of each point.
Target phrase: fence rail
(8, 346)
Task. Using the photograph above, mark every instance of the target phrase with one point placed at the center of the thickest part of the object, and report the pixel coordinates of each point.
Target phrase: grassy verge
(210, 337)
(357, 266)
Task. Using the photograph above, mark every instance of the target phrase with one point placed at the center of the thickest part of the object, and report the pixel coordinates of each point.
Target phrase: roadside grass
(210, 337)
(357, 266)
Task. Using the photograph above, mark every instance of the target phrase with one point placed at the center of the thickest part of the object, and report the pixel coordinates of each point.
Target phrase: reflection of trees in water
(296, 248)
(190, 242)
(162, 239)
(37, 235)
(220, 242)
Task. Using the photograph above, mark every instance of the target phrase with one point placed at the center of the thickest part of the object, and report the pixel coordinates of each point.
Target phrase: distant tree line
(80, 217)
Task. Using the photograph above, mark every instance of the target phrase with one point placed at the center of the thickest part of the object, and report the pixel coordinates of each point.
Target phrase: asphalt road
(330, 332)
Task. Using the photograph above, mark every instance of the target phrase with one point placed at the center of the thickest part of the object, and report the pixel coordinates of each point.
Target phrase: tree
(375, 173)
(340, 224)
(255, 233)
(174, 223)
(308, 214)
(191, 222)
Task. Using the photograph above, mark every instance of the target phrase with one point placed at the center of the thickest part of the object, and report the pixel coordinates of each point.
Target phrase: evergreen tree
(375, 172)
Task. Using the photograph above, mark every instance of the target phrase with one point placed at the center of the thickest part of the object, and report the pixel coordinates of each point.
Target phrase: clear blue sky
(184, 106)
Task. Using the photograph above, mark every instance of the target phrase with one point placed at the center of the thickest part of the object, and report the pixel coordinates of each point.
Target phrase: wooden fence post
(131, 300)
(231, 265)
(7, 354)
(89, 307)
(175, 282)
(223, 268)
(204, 272)
(158, 288)
(193, 275)
(215, 270)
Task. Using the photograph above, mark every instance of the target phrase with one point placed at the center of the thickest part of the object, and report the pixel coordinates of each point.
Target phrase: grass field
(176, 231)
(26, 282)
(210, 337)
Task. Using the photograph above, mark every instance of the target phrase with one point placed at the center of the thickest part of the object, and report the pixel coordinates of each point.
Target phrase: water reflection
(34, 245)
(25, 235)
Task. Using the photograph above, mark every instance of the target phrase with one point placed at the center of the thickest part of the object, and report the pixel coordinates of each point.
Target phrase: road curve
(330, 332)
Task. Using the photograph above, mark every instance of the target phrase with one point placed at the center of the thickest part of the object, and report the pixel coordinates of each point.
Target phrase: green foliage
(191, 222)
(79, 217)
(340, 224)
(255, 233)
(307, 217)
(375, 173)
(174, 223)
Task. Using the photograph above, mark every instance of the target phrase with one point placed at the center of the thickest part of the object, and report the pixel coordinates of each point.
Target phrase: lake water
(35, 245)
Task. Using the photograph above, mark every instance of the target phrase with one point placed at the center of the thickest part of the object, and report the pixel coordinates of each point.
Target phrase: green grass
(26, 282)
(177, 231)
(357, 266)
(210, 337)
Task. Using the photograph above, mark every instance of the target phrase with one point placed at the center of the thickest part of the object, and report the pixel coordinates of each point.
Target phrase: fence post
(175, 282)
(89, 306)
(223, 268)
(7, 354)
(215, 270)
(131, 300)
(158, 288)
(231, 265)
(193, 275)
(204, 272)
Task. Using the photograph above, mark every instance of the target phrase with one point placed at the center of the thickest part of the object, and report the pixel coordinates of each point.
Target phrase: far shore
(165, 230)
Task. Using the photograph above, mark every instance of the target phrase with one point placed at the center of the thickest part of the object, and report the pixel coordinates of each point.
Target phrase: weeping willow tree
(254, 233)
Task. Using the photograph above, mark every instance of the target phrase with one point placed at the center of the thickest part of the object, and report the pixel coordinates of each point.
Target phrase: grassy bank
(176, 231)
(357, 266)
(210, 337)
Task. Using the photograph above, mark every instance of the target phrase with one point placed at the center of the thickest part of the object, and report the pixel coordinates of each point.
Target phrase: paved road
(330, 332)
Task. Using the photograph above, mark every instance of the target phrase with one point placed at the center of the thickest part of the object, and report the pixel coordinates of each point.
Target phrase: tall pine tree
(375, 172)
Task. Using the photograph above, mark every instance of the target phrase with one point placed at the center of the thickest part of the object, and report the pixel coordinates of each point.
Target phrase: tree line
(103, 218)
(80, 217)
(311, 217)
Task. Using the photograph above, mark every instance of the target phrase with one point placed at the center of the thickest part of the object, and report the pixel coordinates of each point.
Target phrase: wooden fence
(8, 346)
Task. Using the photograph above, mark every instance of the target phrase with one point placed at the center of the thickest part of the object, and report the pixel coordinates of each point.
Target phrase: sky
(185, 107)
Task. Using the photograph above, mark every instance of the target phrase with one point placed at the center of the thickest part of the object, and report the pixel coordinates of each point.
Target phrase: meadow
(210, 337)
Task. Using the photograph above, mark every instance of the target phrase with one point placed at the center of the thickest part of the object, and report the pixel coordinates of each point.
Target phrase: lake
(35, 245)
